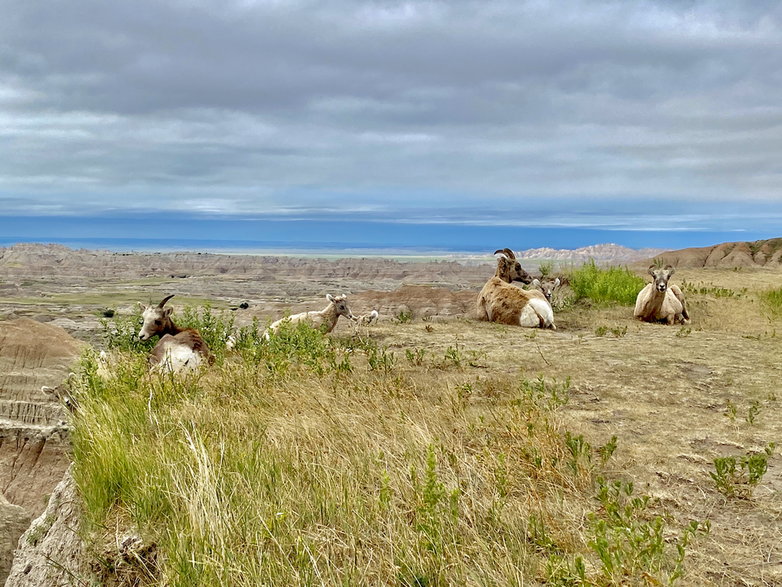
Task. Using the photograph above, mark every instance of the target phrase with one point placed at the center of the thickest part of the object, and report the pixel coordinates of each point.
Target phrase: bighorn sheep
(499, 301)
(325, 320)
(367, 319)
(659, 302)
(178, 349)
(62, 393)
(547, 288)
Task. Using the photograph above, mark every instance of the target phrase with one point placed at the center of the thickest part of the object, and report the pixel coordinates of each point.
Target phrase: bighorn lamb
(178, 349)
(499, 301)
(659, 302)
(325, 320)
(366, 319)
(547, 288)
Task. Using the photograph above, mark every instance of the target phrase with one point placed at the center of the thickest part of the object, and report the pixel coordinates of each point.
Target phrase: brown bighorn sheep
(659, 302)
(178, 349)
(325, 320)
(499, 301)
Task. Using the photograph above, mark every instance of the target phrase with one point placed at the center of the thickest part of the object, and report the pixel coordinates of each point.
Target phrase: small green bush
(546, 268)
(772, 300)
(738, 476)
(612, 285)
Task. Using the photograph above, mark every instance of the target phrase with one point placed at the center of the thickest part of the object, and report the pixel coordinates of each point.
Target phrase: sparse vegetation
(738, 476)
(381, 460)
(313, 435)
(617, 331)
(404, 316)
(546, 268)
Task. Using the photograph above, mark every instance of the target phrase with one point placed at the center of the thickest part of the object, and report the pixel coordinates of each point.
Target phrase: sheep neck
(170, 328)
(329, 314)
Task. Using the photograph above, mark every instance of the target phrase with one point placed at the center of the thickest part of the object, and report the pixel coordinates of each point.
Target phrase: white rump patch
(178, 358)
(528, 317)
(543, 310)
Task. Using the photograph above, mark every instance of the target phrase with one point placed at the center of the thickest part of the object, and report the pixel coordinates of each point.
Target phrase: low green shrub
(611, 285)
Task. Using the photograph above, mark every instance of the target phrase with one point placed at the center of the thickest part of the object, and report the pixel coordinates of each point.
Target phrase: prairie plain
(619, 404)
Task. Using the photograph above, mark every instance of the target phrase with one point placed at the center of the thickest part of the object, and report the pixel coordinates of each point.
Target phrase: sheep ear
(536, 282)
(651, 269)
(670, 269)
(556, 282)
(330, 297)
(167, 311)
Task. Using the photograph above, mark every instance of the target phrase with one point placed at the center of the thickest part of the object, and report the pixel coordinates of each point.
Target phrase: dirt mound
(33, 354)
(763, 253)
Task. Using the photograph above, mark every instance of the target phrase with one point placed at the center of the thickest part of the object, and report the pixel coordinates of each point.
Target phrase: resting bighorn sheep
(325, 320)
(659, 302)
(178, 349)
(547, 288)
(499, 301)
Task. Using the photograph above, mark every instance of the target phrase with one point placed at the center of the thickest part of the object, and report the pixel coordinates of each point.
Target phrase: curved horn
(507, 252)
(165, 299)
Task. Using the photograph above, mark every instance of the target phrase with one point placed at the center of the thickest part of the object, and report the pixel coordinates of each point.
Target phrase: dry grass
(446, 454)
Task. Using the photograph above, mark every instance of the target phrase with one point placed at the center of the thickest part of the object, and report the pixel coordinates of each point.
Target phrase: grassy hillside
(439, 453)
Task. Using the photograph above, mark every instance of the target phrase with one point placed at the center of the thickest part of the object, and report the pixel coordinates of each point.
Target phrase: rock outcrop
(763, 253)
(51, 552)
(14, 520)
(34, 439)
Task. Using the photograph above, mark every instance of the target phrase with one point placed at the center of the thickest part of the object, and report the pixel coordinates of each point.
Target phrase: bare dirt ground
(676, 397)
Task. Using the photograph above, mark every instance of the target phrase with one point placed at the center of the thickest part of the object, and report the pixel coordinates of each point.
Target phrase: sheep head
(509, 269)
(155, 319)
(547, 287)
(341, 305)
(660, 277)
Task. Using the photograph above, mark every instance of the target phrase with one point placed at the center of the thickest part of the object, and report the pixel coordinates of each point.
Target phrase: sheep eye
(158, 323)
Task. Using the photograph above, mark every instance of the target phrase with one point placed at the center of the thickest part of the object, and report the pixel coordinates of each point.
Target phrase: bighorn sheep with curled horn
(499, 301)
(659, 302)
(178, 349)
(325, 320)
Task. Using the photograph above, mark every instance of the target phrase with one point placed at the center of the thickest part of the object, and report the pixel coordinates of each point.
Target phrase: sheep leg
(481, 310)
(684, 315)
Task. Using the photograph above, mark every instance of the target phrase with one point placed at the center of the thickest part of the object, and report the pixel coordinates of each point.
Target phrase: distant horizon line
(156, 232)
(243, 247)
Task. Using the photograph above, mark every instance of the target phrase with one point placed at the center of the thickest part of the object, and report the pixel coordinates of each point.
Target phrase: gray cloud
(386, 108)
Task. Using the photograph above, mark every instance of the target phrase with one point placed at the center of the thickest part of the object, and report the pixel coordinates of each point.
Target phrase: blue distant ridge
(150, 233)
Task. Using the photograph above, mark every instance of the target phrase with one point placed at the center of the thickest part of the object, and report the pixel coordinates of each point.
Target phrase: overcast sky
(611, 114)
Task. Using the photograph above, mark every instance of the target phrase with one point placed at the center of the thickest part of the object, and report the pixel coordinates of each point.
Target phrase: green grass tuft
(612, 285)
(772, 301)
